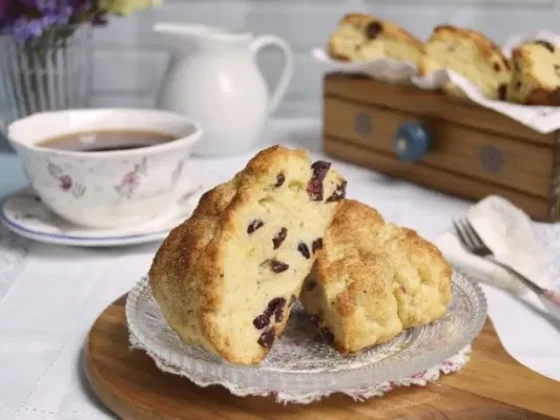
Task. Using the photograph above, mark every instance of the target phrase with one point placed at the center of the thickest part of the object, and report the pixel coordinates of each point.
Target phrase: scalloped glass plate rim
(255, 377)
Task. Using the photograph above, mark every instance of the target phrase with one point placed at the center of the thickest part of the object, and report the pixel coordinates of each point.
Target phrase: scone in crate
(441, 142)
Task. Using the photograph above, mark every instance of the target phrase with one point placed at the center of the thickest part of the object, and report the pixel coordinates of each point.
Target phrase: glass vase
(49, 73)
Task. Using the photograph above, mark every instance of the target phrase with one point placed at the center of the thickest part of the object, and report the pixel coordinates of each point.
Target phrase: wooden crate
(474, 151)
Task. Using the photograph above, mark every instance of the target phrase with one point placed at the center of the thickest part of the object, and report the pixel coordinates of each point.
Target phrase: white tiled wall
(130, 63)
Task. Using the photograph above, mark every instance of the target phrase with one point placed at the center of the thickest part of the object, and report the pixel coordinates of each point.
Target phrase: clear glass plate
(299, 363)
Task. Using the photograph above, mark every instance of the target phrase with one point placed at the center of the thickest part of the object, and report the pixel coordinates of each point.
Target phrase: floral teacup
(107, 188)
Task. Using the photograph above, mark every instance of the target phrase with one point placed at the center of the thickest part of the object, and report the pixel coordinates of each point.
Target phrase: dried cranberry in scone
(278, 266)
(274, 308)
(277, 305)
(317, 245)
(279, 238)
(254, 225)
(304, 250)
(363, 37)
(280, 179)
(373, 29)
(315, 186)
(261, 321)
(235, 264)
(267, 338)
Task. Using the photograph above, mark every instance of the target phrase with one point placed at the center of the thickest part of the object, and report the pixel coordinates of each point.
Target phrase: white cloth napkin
(384, 69)
(509, 233)
(530, 249)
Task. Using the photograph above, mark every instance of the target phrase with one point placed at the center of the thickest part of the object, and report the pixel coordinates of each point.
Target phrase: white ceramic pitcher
(213, 78)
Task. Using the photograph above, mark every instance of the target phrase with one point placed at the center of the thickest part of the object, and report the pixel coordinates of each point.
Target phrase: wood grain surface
(475, 151)
(491, 386)
(453, 183)
(425, 103)
(525, 167)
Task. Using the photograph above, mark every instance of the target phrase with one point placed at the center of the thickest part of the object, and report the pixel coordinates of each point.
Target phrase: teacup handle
(279, 91)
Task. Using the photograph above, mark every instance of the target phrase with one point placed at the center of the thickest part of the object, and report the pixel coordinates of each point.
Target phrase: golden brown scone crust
(536, 74)
(470, 54)
(374, 279)
(363, 37)
(213, 274)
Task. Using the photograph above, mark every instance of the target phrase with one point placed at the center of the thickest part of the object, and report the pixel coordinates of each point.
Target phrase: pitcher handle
(279, 91)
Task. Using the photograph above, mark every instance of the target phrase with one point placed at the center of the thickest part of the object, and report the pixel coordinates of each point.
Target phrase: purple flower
(49, 6)
(24, 28)
(54, 7)
(36, 16)
(57, 7)
(28, 19)
(50, 20)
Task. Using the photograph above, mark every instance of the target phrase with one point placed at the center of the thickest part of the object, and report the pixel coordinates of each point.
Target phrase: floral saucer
(25, 214)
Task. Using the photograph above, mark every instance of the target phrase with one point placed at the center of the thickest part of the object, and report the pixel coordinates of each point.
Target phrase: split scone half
(373, 279)
(470, 54)
(536, 74)
(362, 37)
(226, 279)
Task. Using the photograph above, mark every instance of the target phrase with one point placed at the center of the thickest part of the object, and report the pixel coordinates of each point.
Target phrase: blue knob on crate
(412, 141)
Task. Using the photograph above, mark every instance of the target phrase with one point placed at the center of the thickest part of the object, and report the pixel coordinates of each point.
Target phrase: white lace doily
(301, 369)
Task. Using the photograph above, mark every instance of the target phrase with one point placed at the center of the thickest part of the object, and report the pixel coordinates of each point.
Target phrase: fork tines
(468, 236)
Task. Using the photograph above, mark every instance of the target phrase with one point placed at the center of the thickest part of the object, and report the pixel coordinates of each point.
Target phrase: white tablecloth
(50, 295)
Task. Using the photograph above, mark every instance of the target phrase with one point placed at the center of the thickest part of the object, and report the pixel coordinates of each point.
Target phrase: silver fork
(475, 245)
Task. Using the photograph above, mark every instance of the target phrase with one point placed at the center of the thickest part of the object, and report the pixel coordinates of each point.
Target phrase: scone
(361, 37)
(373, 279)
(536, 74)
(470, 54)
(226, 279)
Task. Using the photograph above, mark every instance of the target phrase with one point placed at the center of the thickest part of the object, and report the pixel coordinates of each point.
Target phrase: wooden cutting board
(491, 386)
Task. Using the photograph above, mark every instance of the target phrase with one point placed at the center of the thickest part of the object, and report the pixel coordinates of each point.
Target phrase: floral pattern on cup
(65, 181)
(119, 188)
(131, 180)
